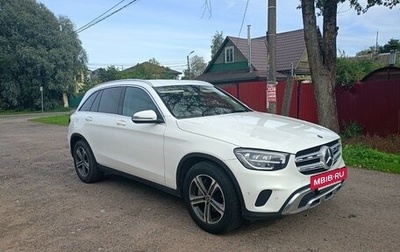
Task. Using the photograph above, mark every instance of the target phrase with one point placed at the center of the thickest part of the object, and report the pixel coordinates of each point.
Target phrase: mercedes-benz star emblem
(326, 156)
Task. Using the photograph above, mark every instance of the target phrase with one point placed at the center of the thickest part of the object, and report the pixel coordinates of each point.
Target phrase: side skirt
(111, 171)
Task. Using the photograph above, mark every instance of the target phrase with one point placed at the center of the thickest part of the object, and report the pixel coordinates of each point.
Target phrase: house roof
(290, 47)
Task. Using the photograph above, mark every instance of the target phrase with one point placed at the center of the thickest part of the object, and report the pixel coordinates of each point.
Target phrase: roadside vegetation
(61, 120)
(373, 152)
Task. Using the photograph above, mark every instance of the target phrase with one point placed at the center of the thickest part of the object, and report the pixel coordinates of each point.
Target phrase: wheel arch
(74, 139)
(190, 159)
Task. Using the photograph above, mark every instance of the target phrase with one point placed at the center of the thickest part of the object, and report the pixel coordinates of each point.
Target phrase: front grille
(310, 161)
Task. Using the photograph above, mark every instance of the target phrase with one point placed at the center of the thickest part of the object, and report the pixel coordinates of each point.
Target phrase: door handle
(89, 119)
(121, 123)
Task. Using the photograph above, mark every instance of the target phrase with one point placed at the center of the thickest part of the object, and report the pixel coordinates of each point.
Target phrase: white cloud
(169, 29)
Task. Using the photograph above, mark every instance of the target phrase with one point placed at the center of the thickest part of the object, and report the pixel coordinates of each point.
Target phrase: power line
(112, 13)
(244, 17)
(94, 20)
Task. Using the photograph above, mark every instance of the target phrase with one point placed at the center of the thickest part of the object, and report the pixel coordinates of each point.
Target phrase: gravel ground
(45, 207)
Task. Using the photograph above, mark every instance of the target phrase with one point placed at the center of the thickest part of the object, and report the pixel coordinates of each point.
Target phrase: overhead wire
(244, 17)
(95, 19)
(112, 13)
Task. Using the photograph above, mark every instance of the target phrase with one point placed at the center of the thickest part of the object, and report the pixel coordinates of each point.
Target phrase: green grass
(27, 111)
(57, 120)
(358, 155)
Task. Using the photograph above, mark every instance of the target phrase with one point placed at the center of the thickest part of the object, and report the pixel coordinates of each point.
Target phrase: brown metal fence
(374, 105)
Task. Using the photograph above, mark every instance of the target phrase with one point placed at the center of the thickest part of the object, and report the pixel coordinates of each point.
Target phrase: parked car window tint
(95, 105)
(109, 102)
(89, 101)
(136, 100)
(196, 101)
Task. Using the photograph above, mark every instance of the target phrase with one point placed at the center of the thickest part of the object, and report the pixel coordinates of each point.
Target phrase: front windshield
(185, 101)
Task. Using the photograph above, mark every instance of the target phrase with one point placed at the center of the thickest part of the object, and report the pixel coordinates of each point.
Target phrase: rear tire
(85, 163)
(211, 198)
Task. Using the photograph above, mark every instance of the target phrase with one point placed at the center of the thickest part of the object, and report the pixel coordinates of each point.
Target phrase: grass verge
(359, 155)
(57, 120)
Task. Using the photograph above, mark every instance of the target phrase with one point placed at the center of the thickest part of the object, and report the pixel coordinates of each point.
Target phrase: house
(245, 77)
(232, 63)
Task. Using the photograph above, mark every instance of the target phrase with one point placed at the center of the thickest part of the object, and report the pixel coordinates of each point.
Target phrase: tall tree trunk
(322, 59)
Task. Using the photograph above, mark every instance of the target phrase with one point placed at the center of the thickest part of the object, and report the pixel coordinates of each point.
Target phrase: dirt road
(45, 207)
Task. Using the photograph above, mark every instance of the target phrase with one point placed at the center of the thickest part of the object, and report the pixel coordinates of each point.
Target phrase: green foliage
(365, 157)
(216, 42)
(109, 74)
(352, 69)
(147, 70)
(352, 129)
(370, 3)
(36, 49)
(197, 66)
(392, 44)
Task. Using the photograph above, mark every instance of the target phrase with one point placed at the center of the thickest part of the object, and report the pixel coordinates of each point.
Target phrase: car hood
(260, 130)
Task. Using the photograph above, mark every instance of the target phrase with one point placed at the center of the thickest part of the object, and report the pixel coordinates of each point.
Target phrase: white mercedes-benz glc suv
(189, 138)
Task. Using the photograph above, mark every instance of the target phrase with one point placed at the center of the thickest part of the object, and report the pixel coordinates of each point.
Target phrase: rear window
(110, 100)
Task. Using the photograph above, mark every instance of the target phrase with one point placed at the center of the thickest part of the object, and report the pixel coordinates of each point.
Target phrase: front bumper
(306, 199)
(268, 194)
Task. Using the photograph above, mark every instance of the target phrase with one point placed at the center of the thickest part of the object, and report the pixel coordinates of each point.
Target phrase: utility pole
(271, 80)
(188, 65)
(41, 95)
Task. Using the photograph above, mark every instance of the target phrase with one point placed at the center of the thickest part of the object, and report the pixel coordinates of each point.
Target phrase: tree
(352, 69)
(392, 44)
(36, 50)
(197, 66)
(108, 74)
(322, 51)
(150, 69)
(216, 42)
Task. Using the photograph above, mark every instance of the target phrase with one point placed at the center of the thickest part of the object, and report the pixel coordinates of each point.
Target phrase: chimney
(249, 44)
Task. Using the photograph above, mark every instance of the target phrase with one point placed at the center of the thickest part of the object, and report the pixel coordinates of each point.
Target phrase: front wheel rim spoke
(220, 208)
(82, 162)
(207, 213)
(196, 200)
(200, 185)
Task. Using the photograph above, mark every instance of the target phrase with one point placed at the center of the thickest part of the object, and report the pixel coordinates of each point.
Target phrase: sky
(168, 30)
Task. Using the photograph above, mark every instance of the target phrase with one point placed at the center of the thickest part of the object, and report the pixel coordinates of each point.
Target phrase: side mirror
(146, 116)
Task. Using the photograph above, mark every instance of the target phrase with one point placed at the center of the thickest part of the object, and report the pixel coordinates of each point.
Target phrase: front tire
(211, 198)
(85, 163)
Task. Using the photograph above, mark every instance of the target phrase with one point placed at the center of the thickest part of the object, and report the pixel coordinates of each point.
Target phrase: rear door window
(110, 100)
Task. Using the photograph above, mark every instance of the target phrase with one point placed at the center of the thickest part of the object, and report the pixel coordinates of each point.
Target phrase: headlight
(262, 160)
